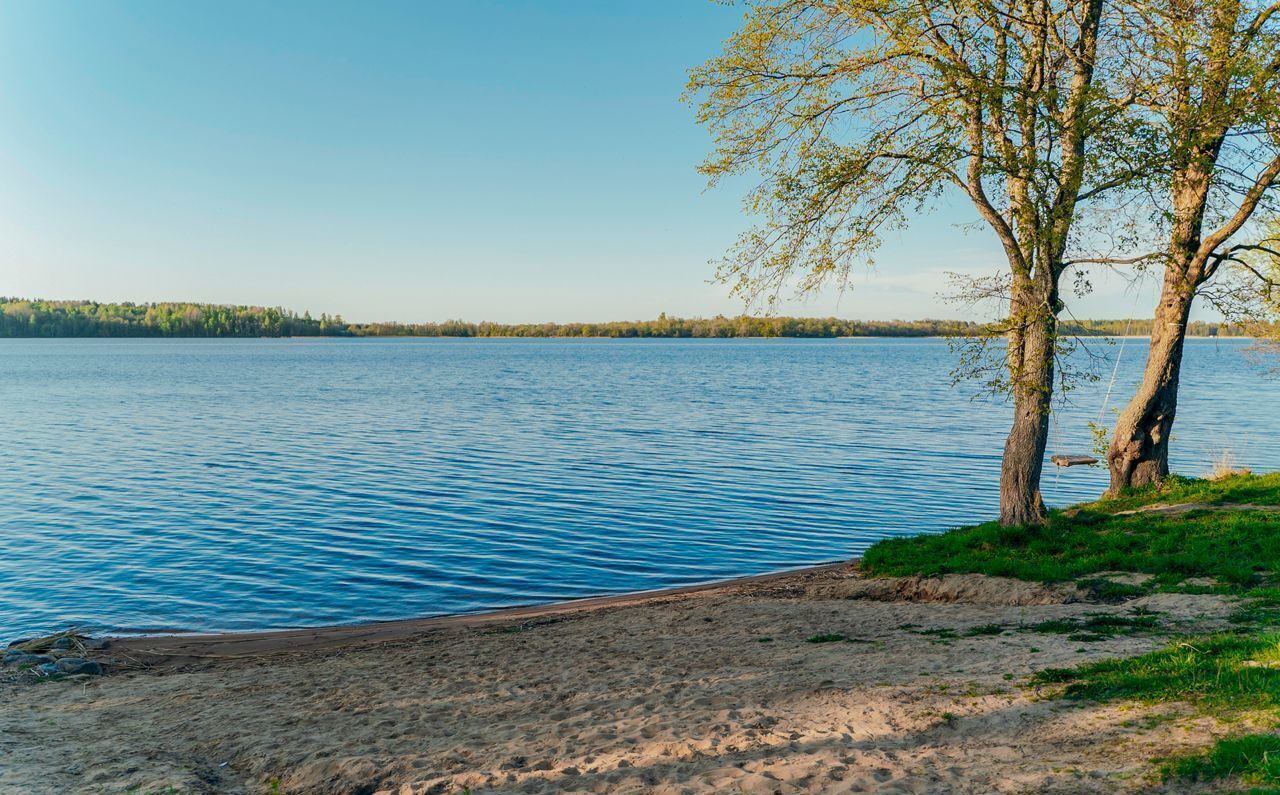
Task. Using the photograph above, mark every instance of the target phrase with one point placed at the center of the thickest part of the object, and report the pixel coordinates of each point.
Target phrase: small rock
(47, 669)
(25, 658)
(64, 642)
(94, 644)
(19, 641)
(78, 665)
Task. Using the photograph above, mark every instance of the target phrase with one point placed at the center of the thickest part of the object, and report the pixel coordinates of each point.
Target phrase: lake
(167, 485)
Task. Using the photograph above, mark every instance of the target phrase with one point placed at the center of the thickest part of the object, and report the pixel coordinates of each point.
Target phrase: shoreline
(268, 642)
(594, 337)
(798, 681)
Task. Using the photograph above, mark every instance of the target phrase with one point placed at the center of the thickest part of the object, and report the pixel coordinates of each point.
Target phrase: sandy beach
(717, 689)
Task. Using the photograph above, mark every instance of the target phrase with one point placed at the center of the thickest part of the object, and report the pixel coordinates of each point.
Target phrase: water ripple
(243, 484)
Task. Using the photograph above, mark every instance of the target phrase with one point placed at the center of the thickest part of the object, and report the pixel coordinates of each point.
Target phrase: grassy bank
(1220, 536)
(1233, 538)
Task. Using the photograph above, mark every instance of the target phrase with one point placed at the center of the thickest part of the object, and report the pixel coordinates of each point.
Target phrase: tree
(1209, 79)
(858, 114)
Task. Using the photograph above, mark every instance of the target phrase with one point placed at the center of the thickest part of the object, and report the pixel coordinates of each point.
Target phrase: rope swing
(1082, 459)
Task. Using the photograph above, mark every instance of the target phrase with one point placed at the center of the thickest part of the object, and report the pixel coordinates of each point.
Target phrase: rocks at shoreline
(62, 654)
(21, 658)
(78, 665)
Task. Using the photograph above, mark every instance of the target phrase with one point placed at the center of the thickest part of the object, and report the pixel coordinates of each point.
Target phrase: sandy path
(678, 694)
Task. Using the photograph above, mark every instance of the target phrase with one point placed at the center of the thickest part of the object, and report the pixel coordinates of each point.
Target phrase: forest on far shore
(34, 318)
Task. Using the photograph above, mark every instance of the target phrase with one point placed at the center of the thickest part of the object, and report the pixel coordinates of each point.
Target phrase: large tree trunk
(1031, 363)
(1139, 452)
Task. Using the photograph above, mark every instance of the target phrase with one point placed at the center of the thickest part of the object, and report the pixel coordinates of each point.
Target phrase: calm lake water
(242, 484)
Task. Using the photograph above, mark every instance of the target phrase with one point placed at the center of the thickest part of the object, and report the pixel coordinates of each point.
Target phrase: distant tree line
(24, 318)
(756, 326)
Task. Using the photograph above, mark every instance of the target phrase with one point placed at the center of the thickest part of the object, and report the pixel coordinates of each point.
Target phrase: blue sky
(510, 160)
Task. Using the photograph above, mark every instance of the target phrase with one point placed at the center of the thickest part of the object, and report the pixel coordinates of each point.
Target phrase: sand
(710, 690)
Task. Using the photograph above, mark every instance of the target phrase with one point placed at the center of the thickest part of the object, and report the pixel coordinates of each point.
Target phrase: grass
(1093, 627)
(1236, 548)
(1239, 488)
(1226, 674)
(1229, 675)
(826, 637)
(1099, 624)
(1105, 590)
(1252, 759)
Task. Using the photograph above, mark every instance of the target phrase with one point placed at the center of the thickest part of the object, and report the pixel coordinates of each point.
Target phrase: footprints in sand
(624, 701)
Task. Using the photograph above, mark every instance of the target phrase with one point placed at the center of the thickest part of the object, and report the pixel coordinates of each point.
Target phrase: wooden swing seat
(1073, 460)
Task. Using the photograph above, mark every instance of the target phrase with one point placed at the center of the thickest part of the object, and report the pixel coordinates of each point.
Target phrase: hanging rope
(1071, 460)
(1115, 370)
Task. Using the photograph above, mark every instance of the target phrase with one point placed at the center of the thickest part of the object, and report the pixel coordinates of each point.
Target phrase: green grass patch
(1252, 759)
(1251, 489)
(1103, 590)
(1237, 548)
(1224, 674)
(1228, 675)
(1260, 608)
(826, 637)
(1099, 626)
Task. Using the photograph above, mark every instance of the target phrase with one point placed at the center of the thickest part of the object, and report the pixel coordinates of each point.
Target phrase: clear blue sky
(517, 160)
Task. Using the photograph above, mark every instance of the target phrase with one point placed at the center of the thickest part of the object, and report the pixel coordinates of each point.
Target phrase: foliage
(855, 117)
(1206, 81)
(755, 326)
(672, 327)
(27, 318)
(858, 116)
(1247, 290)
(31, 318)
(1205, 78)
(1101, 436)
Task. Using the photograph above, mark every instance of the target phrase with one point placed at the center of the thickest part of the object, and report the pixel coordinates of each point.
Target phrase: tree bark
(1139, 452)
(1031, 352)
